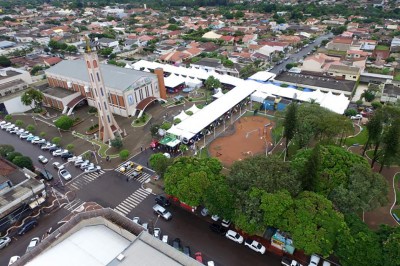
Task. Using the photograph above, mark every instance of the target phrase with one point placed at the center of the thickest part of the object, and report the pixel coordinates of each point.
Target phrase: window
(98, 76)
(92, 77)
(99, 106)
(95, 90)
(88, 64)
(105, 105)
(101, 90)
(94, 63)
(108, 118)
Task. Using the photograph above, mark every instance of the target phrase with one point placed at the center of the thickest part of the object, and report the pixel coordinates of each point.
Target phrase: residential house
(108, 43)
(24, 38)
(51, 61)
(289, 39)
(344, 72)
(391, 92)
(395, 45)
(214, 65)
(355, 54)
(249, 39)
(312, 21)
(319, 63)
(208, 47)
(339, 44)
(211, 35)
(227, 39)
(335, 21)
(177, 57)
(174, 34)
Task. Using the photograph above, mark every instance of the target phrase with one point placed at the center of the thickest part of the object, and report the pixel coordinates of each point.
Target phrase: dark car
(186, 250)
(54, 149)
(217, 228)
(27, 227)
(46, 175)
(136, 174)
(177, 244)
(163, 201)
(65, 156)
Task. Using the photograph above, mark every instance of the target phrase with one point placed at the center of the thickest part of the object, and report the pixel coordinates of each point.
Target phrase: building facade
(126, 88)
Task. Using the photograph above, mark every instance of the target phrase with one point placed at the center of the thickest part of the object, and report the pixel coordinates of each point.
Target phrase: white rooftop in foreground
(90, 246)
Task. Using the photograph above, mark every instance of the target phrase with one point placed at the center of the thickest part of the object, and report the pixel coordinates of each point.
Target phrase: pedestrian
(141, 148)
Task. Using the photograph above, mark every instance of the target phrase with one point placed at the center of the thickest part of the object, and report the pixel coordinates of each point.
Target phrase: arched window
(88, 64)
(98, 76)
(94, 63)
(101, 90)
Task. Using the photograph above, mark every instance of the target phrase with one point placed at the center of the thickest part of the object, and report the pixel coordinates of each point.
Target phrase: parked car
(39, 141)
(13, 259)
(234, 236)
(186, 250)
(226, 223)
(46, 175)
(162, 212)
(126, 166)
(79, 162)
(34, 242)
(163, 201)
(289, 262)
(176, 243)
(145, 226)
(165, 239)
(326, 263)
(136, 220)
(25, 135)
(67, 155)
(31, 137)
(74, 158)
(314, 261)
(10, 127)
(356, 117)
(157, 232)
(92, 169)
(4, 126)
(204, 212)
(43, 159)
(255, 245)
(4, 242)
(14, 130)
(27, 227)
(52, 149)
(47, 146)
(35, 138)
(198, 257)
(58, 165)
(217, 228)
(136, 174)
(65, 174)
(85, 165)
(215, 217)
(21, 131)
(59, 152)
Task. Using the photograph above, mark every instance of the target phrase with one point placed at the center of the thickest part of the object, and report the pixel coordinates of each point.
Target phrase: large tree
(212, 83)
(188, 178)
(4, 61)
(313, 223)
(374, 127)
(23, 161)
(364, 190)
(391, 145)
(64, 122)
(289, 125)
(218, 198)
(5, 149)
(159, 162)
(32, 98)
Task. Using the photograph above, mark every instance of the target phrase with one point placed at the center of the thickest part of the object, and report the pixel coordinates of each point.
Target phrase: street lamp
(91, 120)
(34, 120)
(59, 131)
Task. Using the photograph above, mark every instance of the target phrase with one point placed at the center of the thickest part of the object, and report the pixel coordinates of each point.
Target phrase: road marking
(70, 206)
(85, 179)
(133, 200)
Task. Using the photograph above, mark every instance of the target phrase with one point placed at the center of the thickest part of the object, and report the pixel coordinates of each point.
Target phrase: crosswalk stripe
(127, 205)
(123, 209)
(143, 193)
(121, 213)
(131, 200)
(137, 201)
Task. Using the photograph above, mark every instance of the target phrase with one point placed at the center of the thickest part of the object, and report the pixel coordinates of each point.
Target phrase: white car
(31, 140)
(13, 259)
(4, 242)
(215, 217)
(25, 135)
(47, 146)
(86, 165)
(157, 233)
(4, 126)
(255, 245)
(92, 169)
(356, 117)
(43, 159)
(136, 220)
(225, 223)
(38, 141)
(10, 127)
(58, 165)
(34, 242)
(21, 131)
(234, 236)
(79, 162)
(74, 158)
(165, 239)
(314, 260)
(14, 130)
(3, 123)
(59, 152)
(65, 174)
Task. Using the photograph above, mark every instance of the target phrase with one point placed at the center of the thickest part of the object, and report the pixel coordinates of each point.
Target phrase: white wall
(15, 105)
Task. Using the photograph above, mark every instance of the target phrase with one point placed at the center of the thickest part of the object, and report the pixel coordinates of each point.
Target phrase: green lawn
(334, 52)
(360, 138)
(382, 48)
(397, 77)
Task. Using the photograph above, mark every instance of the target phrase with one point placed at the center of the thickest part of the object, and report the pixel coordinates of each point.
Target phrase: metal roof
(114, 77)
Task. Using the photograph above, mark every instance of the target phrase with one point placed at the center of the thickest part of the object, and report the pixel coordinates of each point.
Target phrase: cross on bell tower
(107, 124)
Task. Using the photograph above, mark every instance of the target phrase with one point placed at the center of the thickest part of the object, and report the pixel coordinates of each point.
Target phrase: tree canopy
(64, 122)
(159, 162)
(32, 98)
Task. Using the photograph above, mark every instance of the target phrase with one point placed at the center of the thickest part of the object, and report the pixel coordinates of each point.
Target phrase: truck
(254, 245)
(289, 262)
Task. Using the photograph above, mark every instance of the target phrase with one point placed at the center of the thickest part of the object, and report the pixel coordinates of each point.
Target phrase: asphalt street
(294, 58)
(111, 189)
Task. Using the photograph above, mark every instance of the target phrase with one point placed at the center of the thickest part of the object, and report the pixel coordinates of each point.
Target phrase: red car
(198, 257)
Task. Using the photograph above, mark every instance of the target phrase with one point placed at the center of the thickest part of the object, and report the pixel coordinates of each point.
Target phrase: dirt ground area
(250, 136)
